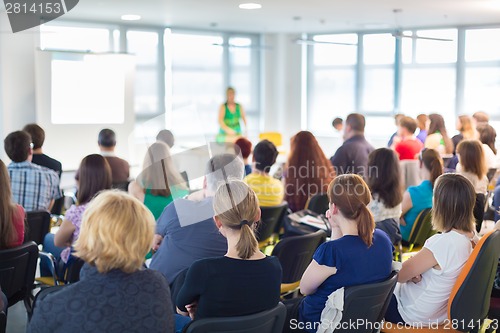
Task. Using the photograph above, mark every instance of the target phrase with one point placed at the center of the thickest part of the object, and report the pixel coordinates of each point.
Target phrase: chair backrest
(73, 269)
(368, 302)
(318, 203)
(17, 271)
(422, 228)
(270, 321)
(122, 186)
(3, 322)
(491, 173)
(470, 297)
(295, 254)
(274, 137)
(410, 174)
(38, 226)
(479, 210)
(269, 219)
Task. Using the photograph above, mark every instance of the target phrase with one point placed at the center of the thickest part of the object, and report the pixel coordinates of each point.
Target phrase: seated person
(33, 187)
(418, 198)
(185, 231)
(95, 176)
(115, 293)
(407, 145)
(426, 279)
(472, 164)
(357, 253)
(243, 281)
(167, 137)
(269, 190)
(11, 215)
(245, 148)
(38, 138)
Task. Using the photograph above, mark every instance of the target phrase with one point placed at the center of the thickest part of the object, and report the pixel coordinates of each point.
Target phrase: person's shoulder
(381, 237)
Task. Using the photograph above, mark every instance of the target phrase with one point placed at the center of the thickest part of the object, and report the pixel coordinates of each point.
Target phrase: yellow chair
(274, 137)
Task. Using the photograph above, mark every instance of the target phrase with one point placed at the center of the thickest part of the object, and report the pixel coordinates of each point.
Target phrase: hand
(333, 223)
(417, 278)
(192, 309)
(230, 131)
(157, 239)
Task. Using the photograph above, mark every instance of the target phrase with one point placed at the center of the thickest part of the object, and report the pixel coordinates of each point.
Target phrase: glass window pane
(378, 90)
(407, 48)
(74, 38)
(482, 45)
(241, 80)
(146, 91)
(196, 50)
(379, 49)
(482, 88)
(333, 54)
(144, 44)
(432, 51)
(240, 53)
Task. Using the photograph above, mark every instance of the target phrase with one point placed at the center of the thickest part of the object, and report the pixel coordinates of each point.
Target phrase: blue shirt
(356, 264)
(352, 156)
(421, 198)
(189, 234)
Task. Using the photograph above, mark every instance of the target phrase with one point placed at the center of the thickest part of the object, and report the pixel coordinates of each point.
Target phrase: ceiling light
(250, 5)
(131, 17)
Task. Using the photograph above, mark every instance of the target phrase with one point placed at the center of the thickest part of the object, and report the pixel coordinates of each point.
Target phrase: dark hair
(386, 180)
(17, 146)
(167, 137)
(107, 138)
(95, 176)
(344, 191)
(433, 162)
(356, 121)
(453, 206)
(337, 121)
(437, 125)
(481, 117)
(472, 157)
(421, 120)
(409, 123)
(488, 135)
(264, 155)
(7, 210)
(245, 147)
(37, 135)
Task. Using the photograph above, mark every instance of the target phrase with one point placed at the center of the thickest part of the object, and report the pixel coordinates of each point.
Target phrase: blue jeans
(181, 322)
(392, 315)
(496, 200)
(48, 246)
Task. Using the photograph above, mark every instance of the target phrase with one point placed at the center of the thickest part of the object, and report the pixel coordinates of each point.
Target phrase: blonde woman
(242, 282)
(115, 293)
(467, 131)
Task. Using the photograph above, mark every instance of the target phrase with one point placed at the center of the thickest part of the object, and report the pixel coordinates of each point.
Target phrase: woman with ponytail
(418, 198)
(244, 281)
(357, 253)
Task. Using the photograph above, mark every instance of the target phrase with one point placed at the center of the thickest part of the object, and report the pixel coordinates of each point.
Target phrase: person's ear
(259, 214)
(218, 223)
(334, 209)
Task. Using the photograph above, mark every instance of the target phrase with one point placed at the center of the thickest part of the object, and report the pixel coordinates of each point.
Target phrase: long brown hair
(306, 156)
(384, 176)
(437, 125)
(472, 157)
(351, 194)
(488, 135)
(95, 176)
(7, 209)
(433, 162)
(466, 128)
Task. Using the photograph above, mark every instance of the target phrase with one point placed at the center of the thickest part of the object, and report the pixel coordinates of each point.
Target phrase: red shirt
(18, 220)
(408, 149)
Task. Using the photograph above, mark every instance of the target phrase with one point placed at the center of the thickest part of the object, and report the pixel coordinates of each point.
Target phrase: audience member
(352, 156)
(472, 164)
(467, 131)
(355, 244)
(11, 215)
(338, 124)
(159, 182)
(186, 232)
(114, 294)
(95, 176)
(406, 144)
(487, 136)
(38, 138)
(397, 119)
(245, 147)
(3, 302)
(167, 137)
(268, 189)
(418, 198)
(384, 181)
(423, 125)
(437, 137)
(481, 117)
(243, 281)
(426, 280)
(33, 187)
(307, 172)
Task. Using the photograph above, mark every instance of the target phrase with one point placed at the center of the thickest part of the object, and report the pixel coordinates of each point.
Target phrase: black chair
(270, 321)
(17, 273)
(270, 219)
(368, 302)
(122, 186)
(38, 225)
(62, 273)
(3, 322)
(479, 210)
(295, 254)
(318, 203)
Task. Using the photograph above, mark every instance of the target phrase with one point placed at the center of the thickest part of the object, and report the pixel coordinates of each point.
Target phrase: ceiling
(294, 15)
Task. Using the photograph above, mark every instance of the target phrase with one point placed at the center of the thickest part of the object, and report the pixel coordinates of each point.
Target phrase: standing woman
(230, 114)
(11, 215)
(437, 137)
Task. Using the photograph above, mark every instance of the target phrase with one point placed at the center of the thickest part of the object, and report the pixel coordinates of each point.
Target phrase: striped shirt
(269, 190)
(33, 186)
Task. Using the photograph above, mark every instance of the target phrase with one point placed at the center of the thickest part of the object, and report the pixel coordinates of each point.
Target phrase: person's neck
(260, 172)
(38, 151)
(468, 234)
(352, 134)
(426, 175)
(348, 227)
(233, 237)
(108, 149)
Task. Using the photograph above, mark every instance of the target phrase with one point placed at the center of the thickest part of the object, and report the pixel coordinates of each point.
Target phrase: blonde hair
(237, 207)
(116, 233)
(466, 128)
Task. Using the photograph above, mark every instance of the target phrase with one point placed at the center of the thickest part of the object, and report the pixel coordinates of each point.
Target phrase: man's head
(355, 125)
(107, 139)
(37, 135)
(481, 117)
(167, 137)
(264, 155)
(220, 168)
(18, 146)
(338, 124)
(407, 126)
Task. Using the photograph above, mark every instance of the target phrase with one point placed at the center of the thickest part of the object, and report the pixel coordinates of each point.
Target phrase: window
(74, 38)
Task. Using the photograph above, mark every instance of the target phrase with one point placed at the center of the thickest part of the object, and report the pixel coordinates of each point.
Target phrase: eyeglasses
(32, 145)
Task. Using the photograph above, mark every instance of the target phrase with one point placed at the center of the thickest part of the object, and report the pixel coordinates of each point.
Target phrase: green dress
(232, 120)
